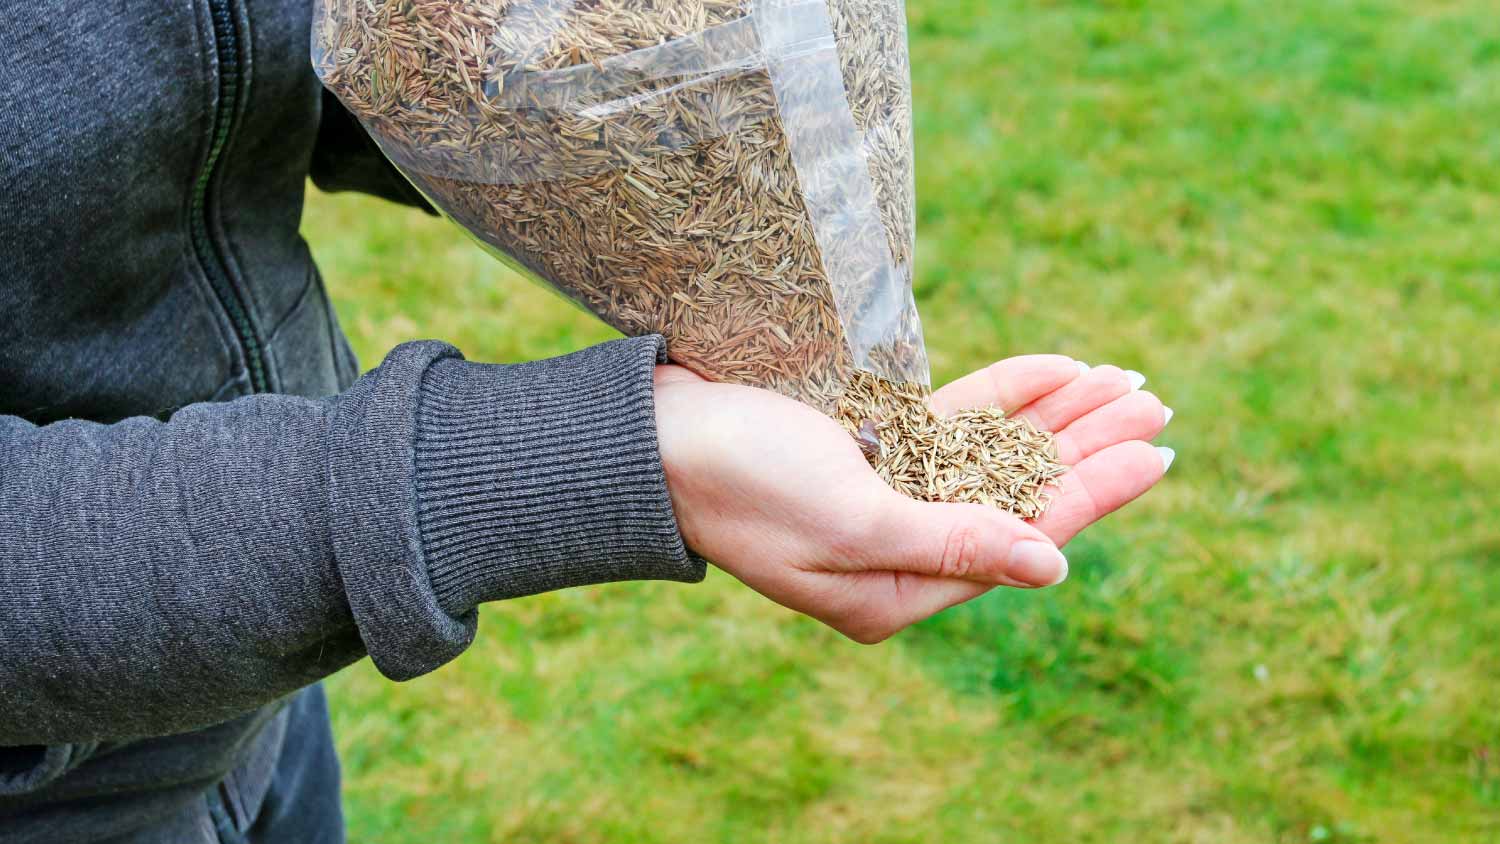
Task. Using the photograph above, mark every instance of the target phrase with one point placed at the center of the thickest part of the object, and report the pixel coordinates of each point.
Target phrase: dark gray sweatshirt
(239, 516)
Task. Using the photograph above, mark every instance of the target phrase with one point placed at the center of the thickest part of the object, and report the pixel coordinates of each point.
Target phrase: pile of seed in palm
(576, 141)
(978, 456)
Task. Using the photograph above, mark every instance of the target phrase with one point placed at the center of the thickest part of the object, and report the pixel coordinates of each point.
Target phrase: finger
(1100, 485)
(1133, 416)
(954, 541)
(1008, 384)
(1100, 386)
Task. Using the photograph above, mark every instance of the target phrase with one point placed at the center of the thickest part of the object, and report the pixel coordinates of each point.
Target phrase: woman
(240, 515)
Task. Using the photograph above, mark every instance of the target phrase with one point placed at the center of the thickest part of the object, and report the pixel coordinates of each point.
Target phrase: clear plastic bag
(733, 174)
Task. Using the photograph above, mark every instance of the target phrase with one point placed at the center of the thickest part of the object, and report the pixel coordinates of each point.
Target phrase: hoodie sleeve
(160, 576)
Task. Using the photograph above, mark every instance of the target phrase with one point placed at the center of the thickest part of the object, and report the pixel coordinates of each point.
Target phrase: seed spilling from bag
(735, 175)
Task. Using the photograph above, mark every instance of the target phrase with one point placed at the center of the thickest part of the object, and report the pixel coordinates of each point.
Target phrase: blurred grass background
(1288, 216)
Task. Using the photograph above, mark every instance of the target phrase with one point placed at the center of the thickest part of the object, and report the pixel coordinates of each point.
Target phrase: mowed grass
(1288, 216)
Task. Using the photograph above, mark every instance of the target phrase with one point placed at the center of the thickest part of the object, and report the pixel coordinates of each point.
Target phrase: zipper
(210, 258)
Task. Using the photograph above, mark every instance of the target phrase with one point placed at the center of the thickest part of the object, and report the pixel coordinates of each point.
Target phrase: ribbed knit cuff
(373, 502)
(544, 475)
(455, 483)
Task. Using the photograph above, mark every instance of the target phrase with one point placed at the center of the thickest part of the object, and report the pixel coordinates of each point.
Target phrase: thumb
(964, 542)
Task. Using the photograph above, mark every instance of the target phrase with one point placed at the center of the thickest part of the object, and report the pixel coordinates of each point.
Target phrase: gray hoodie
(202, 510)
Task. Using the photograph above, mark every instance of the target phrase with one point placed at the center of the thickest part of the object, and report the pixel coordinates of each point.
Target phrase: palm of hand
(778, 495)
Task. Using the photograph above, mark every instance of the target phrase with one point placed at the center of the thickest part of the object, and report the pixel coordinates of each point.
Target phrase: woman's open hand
(778, 495)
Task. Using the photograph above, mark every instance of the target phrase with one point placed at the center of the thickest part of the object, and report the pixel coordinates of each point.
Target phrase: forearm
(156, 576)
(159, 576)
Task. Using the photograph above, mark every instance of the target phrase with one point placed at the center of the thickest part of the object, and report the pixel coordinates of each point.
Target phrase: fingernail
(1038, 563)
(1137, 380)
(1167, 414)
(1083, 368)
(1167, 456)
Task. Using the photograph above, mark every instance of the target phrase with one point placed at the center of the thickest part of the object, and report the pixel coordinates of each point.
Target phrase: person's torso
(153, 157)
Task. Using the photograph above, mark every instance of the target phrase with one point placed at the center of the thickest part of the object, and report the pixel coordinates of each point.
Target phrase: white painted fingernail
(1083, 368)
(1137, 380)
(1167, 456)
(1037, 563)
(1166, 413)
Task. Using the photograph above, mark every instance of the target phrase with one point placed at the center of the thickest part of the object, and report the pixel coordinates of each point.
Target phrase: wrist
(677, 437)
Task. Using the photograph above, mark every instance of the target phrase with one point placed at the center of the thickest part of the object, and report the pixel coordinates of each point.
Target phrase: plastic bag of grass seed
(733, 174)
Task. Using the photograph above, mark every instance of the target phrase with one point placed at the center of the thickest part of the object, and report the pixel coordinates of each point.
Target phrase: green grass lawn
(1288, 216)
